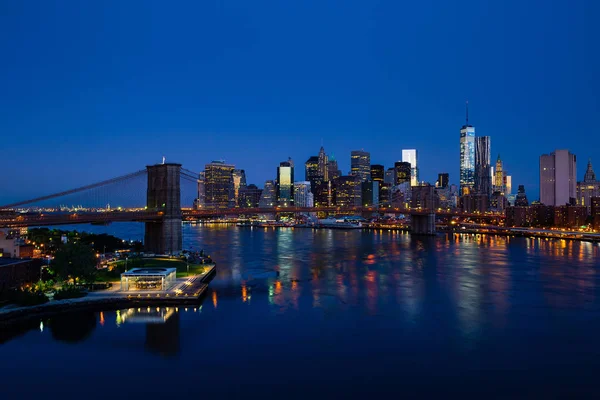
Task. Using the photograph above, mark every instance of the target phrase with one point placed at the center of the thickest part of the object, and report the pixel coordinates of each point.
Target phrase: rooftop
(150, 272)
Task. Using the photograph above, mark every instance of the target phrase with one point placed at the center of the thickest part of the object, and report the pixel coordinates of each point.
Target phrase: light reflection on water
(405, 306)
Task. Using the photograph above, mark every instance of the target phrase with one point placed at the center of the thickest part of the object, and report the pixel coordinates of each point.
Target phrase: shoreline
(99, 302)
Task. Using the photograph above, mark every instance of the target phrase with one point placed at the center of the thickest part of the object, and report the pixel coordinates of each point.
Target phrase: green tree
(75, 261)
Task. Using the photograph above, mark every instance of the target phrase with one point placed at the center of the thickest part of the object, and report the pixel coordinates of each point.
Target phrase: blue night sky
(93, 90)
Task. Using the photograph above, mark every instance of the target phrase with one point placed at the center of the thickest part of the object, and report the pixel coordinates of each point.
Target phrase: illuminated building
(303, 196)
(402, 172)
(443, 180)
(507, 184)
(218, 184)
(410, 156)
(589, 188)
(285, 184)
(333, 170)
(483, 177)
(249, 196)
(370, 193)
(558, 172)
(238, 177)
(499, 177)
(385, 195)
(322, 194)
(474, 203)
(322, 164)
(498, 202)
(569, 216)
(467, 157)
(201, 199)
(268, 195)
(348, 191)
(424, 197)
(595, 201)
(360, 164)
(377, 173)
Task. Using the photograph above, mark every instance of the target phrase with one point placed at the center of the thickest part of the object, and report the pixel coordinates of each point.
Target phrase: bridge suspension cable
(77, 190)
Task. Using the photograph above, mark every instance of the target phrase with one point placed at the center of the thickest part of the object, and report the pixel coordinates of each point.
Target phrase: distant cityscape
(484, 186)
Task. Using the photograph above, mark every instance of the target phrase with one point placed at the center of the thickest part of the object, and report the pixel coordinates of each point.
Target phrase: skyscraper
(268, 195)
(303, 196)
(467, 157)
(323, 160)
(402, 172)
(558, 184)
(360, 164)
(333, 170)
(443, 180)
(521, 199)
(285, 184)
(377, 173)
(238, 177)
(312, 174)
(390, 176)
(590, 187)
(499, 177)
(249, 196)
(410, 156)
(348, 191)
(483, 177)
(218, 184)
(200, 201)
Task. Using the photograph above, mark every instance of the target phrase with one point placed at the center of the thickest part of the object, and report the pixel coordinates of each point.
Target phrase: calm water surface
(337, 314)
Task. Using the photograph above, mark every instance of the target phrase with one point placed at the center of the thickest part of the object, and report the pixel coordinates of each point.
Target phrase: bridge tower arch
(164, 195)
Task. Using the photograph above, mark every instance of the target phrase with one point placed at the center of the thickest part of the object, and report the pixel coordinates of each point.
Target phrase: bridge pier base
(164, 195)
(423, 224)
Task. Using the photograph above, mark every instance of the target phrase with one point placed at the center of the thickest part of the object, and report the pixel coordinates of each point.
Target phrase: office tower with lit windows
(390, 176)
(312, 173)
(521, 199)
(360, 164)
(238, 177)
(268, 197)
(443, 180)
(303, 196)
(483, 177)
(410, 156)
(333, 170)
(377, 173)
(285, 184)
(402, 172)
(323, 161)
(499, 181)
(218, 184)
(588, 188)
(467, 157)
(249, 196)
(558, 183)
(348, 190)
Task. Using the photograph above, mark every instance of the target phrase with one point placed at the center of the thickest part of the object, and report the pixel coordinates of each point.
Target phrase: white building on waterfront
(303, 196)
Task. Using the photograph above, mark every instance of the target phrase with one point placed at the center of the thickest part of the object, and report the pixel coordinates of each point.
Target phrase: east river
(336, 314)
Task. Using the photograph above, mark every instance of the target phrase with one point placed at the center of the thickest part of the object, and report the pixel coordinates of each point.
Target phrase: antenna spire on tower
(467, 107)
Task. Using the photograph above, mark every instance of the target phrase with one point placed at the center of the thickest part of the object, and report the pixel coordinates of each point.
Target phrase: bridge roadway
(45, 219)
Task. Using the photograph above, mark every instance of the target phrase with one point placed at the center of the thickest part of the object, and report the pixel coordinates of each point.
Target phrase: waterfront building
(348, 190)
(444, 198)
(360, 164)
(558, 172)
(569, 216)
(401, 195)
(588, 188)
(521, 199)
(402, 171)
(410, 156)
(595, 202)
(218, 184)
(303, 196)
(536, 215)
(370, 193)
(474, 203)
(498, 202)
(249, 196)
(268, 197)
(385, 195)
(322, 195)
(200, 200)
(467, 157)
(443, 180)
(285, 184)
(483, 177)
(424, 197)
(238, 177)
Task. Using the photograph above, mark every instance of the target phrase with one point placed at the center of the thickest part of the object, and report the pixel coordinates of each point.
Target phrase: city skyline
(93, 118)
